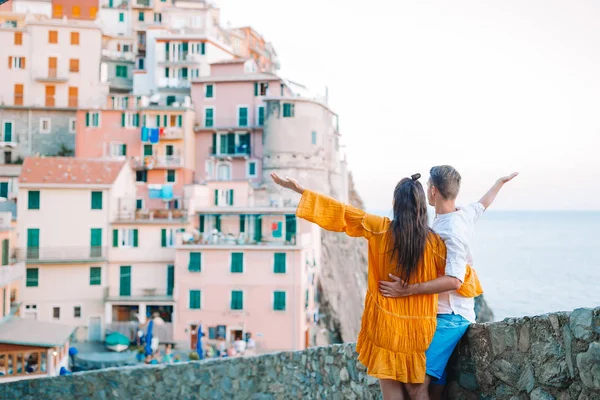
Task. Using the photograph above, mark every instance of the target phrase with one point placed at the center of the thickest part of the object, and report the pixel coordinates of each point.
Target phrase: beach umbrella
(148, 348)
(199, 348)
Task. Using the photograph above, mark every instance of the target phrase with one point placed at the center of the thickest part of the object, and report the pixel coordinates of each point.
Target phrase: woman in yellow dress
(395, 332)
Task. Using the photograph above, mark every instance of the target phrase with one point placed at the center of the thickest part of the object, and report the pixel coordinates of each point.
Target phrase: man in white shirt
(456, 227)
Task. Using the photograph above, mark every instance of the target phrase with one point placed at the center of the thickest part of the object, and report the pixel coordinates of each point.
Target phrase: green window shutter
(33, 243)
(180, 121)
(5, 251)
(4, 189)
(170, 279)
(96, 237)
(252, 169)
(202, 48)
(255, 88)
(163, 238)
(147, 150)
(230, 197)
(242, 223)
(218, 223)
(123, 120)
(136, 120)
(87, 119)
(209, 91)
(158, 121)
(95, 276)
(216, 197)
(144, 120)
(170, 176)
(290, 227)
(96, 200)
(195, 263)
(237, 263)
(124, 149)
(135, 238)
(279, 301)
(33, 199)
(237, 300)
(165, 120)
(306, 299)
(32, 277)
(280, 263)
(195, 300)
(261, 116)
(257, 228)
(115, 238)
(201, 224)
(213, 150)
(125, 281)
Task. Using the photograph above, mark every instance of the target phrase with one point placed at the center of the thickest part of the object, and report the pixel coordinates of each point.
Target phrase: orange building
(248, 43)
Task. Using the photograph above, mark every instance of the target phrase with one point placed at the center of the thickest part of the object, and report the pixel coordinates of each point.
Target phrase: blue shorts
(450, 329)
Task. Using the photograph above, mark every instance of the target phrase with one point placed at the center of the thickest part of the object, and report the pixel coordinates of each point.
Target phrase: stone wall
(554, 356)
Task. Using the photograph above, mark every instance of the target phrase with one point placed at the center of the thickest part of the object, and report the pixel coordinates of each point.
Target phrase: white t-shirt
(456, 230)
(240, 346)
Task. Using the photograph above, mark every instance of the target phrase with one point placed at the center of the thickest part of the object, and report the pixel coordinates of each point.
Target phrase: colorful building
(248, 43)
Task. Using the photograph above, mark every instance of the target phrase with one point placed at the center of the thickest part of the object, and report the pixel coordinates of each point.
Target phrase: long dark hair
(410, 229)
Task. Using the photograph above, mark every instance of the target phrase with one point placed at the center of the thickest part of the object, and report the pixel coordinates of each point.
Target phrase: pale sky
(490, 87)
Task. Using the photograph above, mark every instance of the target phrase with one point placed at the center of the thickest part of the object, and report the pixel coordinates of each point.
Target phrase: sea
(535, 262)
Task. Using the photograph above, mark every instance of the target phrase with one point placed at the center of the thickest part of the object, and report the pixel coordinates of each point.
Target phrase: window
(223, 196)
(139, 204)
(147, 150)
(203, 48)
(261, 115)
(194, 299)
(314, 137)
(76, 312)
(237, 263)
(121, 71)
(118, 150)
(16, 62)
(76, 12)
(72, 125)
(96, 200)
(53, 37)
(73, 65)
(237, 300)
(73, 96)
(251, 169)
(209, 91)
(279, 301)
(92, 119)
(93, 12)
(8, 132)
(18, 94)
(32, 279)
(56, 312)
(209, 117)
(125, 280)
(50, 92)
(18, 39)
(141, 16)
(260, 89)
(141, 176)
(130, 120)
(5, 242)
(44, 125)
(33, 202)
(157, 17)
(141, 63)
(171, 177)
(195, 263)
(57, 11)
(95, 276)
(75, 38)
(243, 116)
(288, 110)
(280, 263)
(209, 168)
(167, 237)
(121, 17)
(125, 238)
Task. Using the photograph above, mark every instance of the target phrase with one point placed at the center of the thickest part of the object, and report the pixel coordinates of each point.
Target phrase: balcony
(237, 152)
(120, 84)
(174, 83)
(59, 255)
(11, 273)
(172, 133)
(53, 75)
(118, 55)
(142, 4)
(158, 162)
(111, 294)
(120, 4)
(181, 59)
(251, 122)
(149, 216)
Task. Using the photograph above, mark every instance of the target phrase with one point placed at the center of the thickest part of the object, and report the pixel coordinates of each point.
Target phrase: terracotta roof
(233, 61)
(69, 171)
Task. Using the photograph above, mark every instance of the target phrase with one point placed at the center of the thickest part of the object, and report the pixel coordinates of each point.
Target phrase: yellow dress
(395, 332)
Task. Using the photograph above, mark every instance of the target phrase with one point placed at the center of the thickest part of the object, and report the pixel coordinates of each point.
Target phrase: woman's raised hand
(287, 183)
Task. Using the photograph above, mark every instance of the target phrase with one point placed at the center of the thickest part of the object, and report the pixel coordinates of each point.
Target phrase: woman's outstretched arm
(328, 213)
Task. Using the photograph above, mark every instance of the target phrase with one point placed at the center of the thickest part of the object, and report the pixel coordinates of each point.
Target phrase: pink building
(246, 269)
(121, 130)
(230, 115)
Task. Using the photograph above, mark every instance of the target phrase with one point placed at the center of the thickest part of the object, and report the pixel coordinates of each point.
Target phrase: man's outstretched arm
(490, 196)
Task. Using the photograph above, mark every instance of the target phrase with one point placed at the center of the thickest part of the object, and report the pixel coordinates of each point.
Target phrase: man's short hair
(446, 180)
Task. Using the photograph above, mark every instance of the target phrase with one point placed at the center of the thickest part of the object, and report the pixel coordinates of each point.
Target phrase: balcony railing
(221, 239)
(18, 101)
(52, 75)
(11, 273)
(120, 83)
(159, 215)
(61, 254)
(122, 4)
(151, 162)
(142, 3)
(118, 55)
(50, 101)
(174, 83)
(172, 133)
(182, 58)
(238, 151)
(251, 121)
(73, 101)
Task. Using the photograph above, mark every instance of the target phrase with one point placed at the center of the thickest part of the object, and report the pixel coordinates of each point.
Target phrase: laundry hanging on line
(145, 134)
